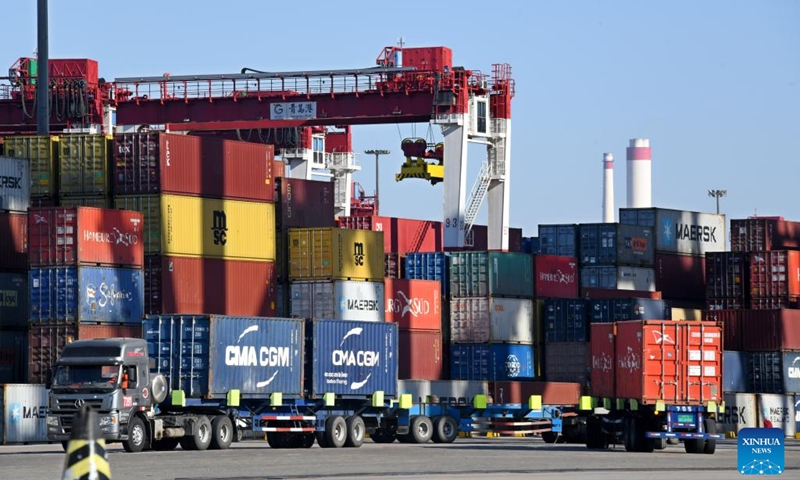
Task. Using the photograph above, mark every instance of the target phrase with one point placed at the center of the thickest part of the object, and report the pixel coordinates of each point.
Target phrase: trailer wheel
(694, 445)
(202, 435)
(137, 436)
(445, 429)
(381, 435)
(355, 431)
(660, 443)
(629, 434)
(711, 445)
(308, 440)
(276, 440)
(165, 444)
(320, 436)
(222, 429)
(335, 432)
(421, 429)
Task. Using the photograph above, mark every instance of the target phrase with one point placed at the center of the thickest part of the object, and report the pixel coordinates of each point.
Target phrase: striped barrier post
(86, 451)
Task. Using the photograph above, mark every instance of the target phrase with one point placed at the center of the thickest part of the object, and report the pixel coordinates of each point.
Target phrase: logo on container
(666, 232)
(630, 361)
(10, 182)
(220, 227)
(557, 276)
(253, 356)
(603, 363)
(662, 338)
(106, 294)
(761, 451)
(115, 237)
(696, 233)
(358, 253)
(358, 304)
(794, 369)
(20, 412)
(637, 244)
(37, 219)
(513, 366)
(361, 358)
(405, 304)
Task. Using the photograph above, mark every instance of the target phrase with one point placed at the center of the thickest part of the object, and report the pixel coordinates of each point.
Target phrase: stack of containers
(727, 280)
(85, 279)
(434, 266)
(336, 273)
(41, 152)
(14, 201)
(617, 256)
(84, 177)
(209, 221)
(491, 316)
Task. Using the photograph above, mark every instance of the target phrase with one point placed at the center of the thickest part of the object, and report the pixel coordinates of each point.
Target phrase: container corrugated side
(565, 320)
(620, 309)
(400, 235)
(680, 231)
(613, 244)
(41, 151)
(13, 355)
(429, 266)
(619, 278)
(15, 184)
(559, 240)
(414, 304)
(552, 393)
(491, 362)
(13, 299)
(771, 330)
(86, 201)
(335, 254)
(340, 300)
(352, 359)
(681, 276)
(13, 241)
(491, 319)
(207, 356)
(603, 358)
(83, 162)
(305, 203)
(777, 411)
(735, 372)
(775, 275)
(740, 412)
(568, 362)
(24, 418)
(731, 321)
(555, 276)
(764, 234)
(420, 354)
(150, 207)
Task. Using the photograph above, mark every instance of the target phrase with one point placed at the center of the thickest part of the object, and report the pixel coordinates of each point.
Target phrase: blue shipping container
(621, 309)
(734, 372)
(86, 295)
(612, 244)
(491, 362)
(350, 358)
(209, 355)
(429, 266)
(565, 320)
(531, 245)
(558, 240)
(13, 299)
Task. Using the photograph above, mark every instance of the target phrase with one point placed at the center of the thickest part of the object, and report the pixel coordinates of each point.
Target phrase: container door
(702, 380)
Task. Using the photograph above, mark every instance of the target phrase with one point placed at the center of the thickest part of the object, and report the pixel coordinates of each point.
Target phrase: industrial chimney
(639, 174)
(608, 188)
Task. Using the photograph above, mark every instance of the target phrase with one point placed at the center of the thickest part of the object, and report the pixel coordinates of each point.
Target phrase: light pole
(717, 194)
(377, 154)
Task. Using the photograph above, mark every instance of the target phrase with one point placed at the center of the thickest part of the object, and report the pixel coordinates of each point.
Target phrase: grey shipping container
(680, 231)
(208, 355)
(499, 274)
(443, 391)
(613, 244)
(567, 362)
(620, 309)
(560, 240)
(15, 184)
(13, 299)
(24, 418)
(340, 300)
(735, 378)
(491, 320)
(352, 359)
(619, 278)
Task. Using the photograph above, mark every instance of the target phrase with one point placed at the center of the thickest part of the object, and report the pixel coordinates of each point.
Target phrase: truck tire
(276, 440)
(445, 429)
(694, 446)
(137, 436)
(644, 444)
(711, 445)
(355, 431)
(202, 435)
(308, 440)
(222, 432)
(629, 434)
(320, 436)
(660, 443)
(421, 429)
(335, 432)
(165, 444)
(382, 435)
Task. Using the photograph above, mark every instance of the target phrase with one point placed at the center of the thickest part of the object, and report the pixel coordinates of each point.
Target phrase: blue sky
(714, 85)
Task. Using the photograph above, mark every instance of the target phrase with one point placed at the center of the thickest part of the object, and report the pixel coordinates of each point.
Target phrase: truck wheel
(222, 432)
(660, 443)
(165, 444)
(711, 445)
(275, 440)
(421, 429)
(202, 435)
(694, 445)
(320, 435)
(445, 429)
(137, 436)
(643, 444)
(355, 431)
(382, 435)
(629, 434)
(335, 431)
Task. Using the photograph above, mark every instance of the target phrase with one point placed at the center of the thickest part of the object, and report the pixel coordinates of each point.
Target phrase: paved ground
(501, 458)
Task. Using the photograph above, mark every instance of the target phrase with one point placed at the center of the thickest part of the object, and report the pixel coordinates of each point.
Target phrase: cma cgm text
(360, 358)
(247, 356)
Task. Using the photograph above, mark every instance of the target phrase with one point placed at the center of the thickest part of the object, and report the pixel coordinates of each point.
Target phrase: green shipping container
(42, 152)
(497, 274)
(83, 162)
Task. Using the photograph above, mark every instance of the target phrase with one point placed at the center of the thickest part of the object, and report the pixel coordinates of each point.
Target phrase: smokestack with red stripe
(639, 174)
(608, 188)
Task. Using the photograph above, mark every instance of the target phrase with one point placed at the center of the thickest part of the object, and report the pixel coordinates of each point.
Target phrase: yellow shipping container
(41, 151)
(336, 254)
(150, 206)
(215, 228)
(83, 164)
(687, 314)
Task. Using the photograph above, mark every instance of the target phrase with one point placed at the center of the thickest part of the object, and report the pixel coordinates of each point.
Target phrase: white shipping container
(740, 412)
(24, 418)
(443, 391)
(338, 300)
(15, 184)
(777, 411)
(680, 231)
(491, 319)
(619, 278)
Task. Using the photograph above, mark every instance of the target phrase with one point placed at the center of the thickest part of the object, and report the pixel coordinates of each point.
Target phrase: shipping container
(278, 169)
(731, 321)
(619, 278)
(764, 234)
(13, 299)
(500, 274)
(491, 362)
(150, 208)
(568, 362)
(414, 304)
(15, 184)
(777, 411)
(555, 276)
(606, 293)
(429, 266)
(490, 320)
(515, 240)
(352, 358)
(686, 313)
(86, 201)
(443, 391)
(13, 355)
(673, 361)
(154, 162)
(736, 372)
(305, 203)
(340, 300)
(47, 341)
(41, 152)
(614, 244)
(791, 372)
(681, 276)
(565, 320)
(86, 295)
(531, 245)
(24, 418)
(13, 241)
(207, 355)
(552, 393)
(727, 279)
(420, 354)
(282, 300)
(740, 412)
(603, 353)
(559, 240)
(335, 254)
(679, 231)
(400, 235)
(776, 275)
(770, 330)
(394, 265)
(765, 372)
(620, 309)
(84, 236)
(83, 164)
(209, 285)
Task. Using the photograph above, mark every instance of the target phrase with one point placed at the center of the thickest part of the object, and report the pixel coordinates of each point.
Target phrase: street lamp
(717, 194)
(377, 154)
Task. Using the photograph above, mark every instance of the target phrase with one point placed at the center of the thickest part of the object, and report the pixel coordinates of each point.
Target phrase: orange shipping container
(414, 304)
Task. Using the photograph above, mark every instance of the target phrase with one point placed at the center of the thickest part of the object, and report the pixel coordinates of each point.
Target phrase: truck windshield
(102, 377)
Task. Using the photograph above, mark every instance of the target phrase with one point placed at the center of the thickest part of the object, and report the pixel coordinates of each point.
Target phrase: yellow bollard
(86, 451)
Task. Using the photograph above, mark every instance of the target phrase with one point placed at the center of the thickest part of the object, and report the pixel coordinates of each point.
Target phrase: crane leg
(499, 188)
(455, 179)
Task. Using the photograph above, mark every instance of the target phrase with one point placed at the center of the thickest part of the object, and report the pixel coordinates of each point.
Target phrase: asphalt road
(484, 458)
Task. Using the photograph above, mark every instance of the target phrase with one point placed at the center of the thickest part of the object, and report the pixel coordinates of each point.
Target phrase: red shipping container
(147, 163)
(414, 304)
(679, 361)
(400, 235)
(775, 274)
(681, 277)
(191, 285)
(45, 343)
(305, 204)
(553, 393)
(420, 355)
(86, 236)
(603, 337)
(770, 330)
(731, 321)
(13, 241)
(764, 234)
(278, 169)
(606, 293)
(555, 276)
